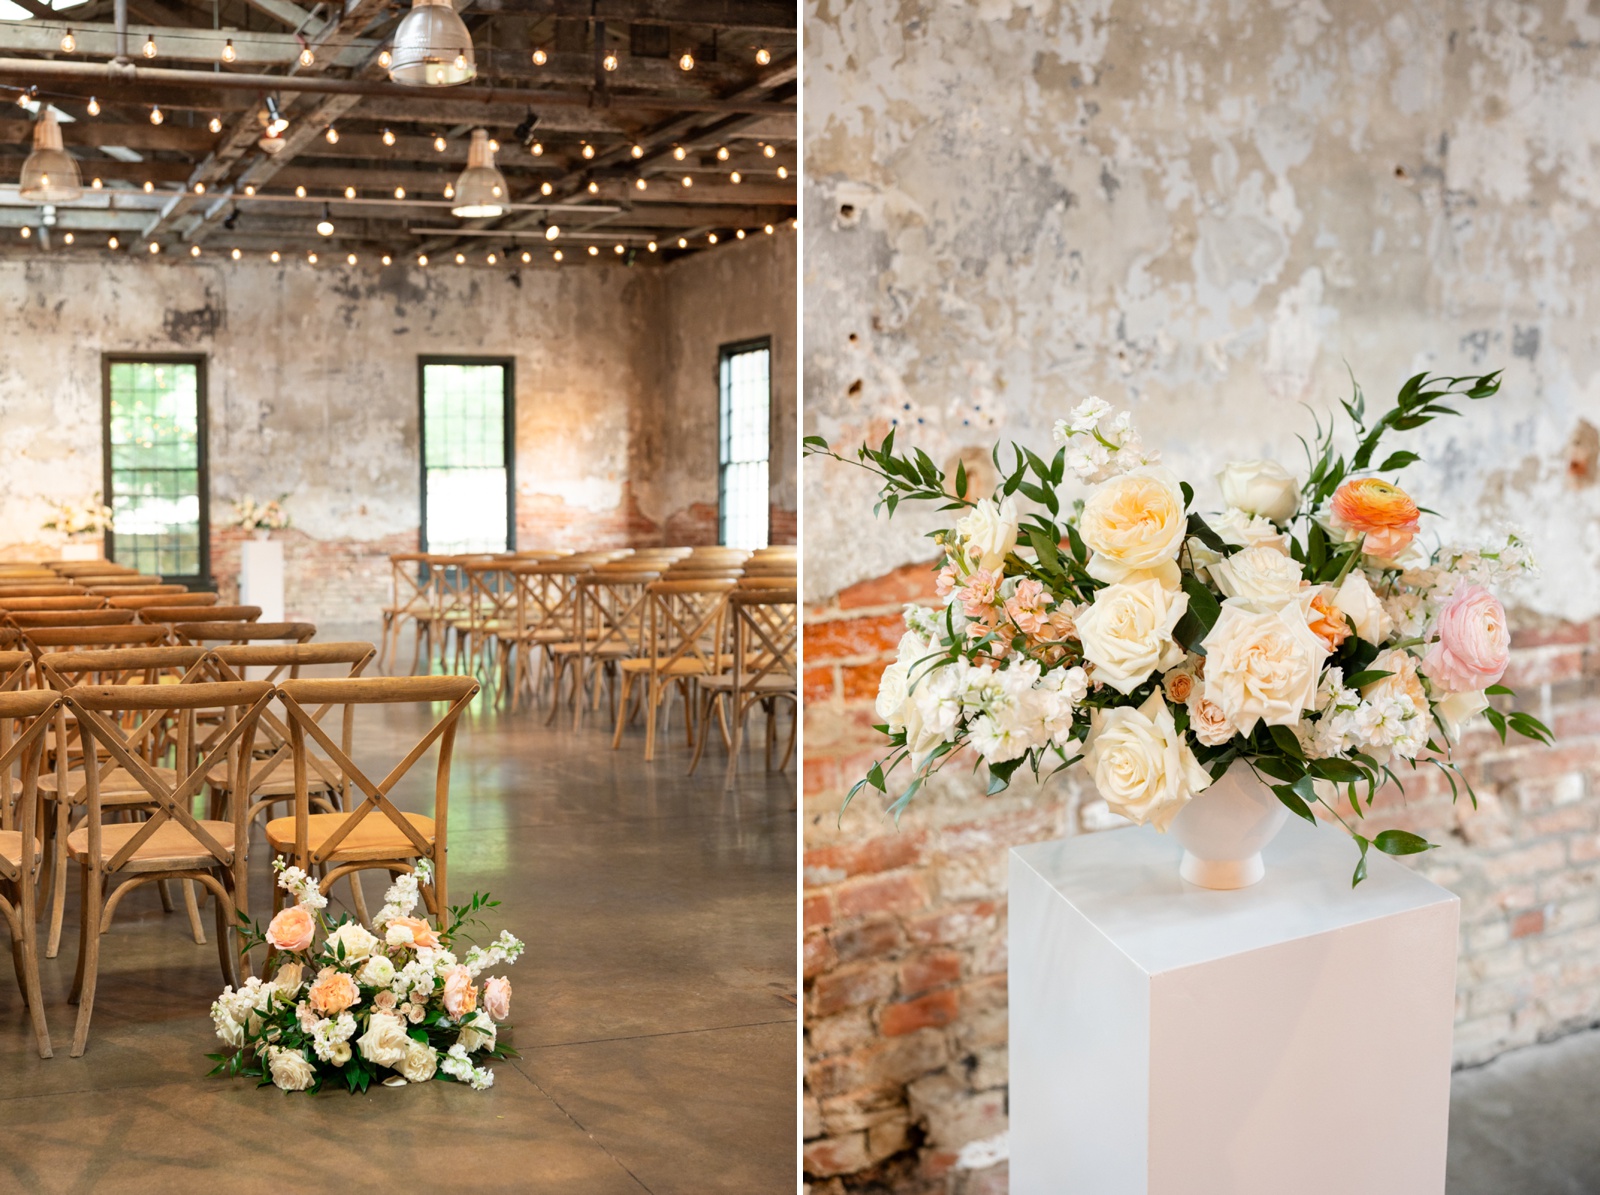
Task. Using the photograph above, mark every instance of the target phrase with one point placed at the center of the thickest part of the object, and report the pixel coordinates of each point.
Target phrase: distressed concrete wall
(1201, 211)
(313, 392)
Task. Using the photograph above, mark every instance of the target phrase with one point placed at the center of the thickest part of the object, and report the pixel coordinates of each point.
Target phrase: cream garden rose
(1262, 488)
(1262, 665)
(989, 532)
(1134, 525)
(1127, 632)
(1356, 599)
(420, 1062)
(355, 939)
(1261, 576)
(385, 1041)
(1140, 762)
(289, 1069)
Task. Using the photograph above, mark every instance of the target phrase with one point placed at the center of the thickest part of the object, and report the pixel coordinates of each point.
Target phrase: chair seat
(689, 666)
(281, 782)
(767, 684)
(119, 788)
(376, 837)
(609, 651)
(11, 849)
(171, 848)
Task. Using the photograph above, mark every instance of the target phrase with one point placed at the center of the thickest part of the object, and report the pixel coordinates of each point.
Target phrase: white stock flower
(1262, 577)
(989, 532)
(1262, 488)
(385, 1041)
(289, 1069)
(1262, 665)
(1355, 598)
(1140, 763)
(1127, 632)
(1134, 525)
(1455, 710)
(458, 1066)
(356, 940)
(1244, 530)
(938, 698)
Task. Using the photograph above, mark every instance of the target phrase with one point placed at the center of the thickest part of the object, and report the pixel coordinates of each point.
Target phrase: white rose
(477, 1034)
(1262, 488)
(892, 691)
(1134, 526)
(988, 532)
(1141, 764)
(1127, 632)
(1262, 665)
(356, 940)
(1455, 710)
(1245, 530)
(290, 1070)
(288, 980)
(420, 1062)
(376, 972)
(1261, 576)
(385, 1041)
(1366, 611)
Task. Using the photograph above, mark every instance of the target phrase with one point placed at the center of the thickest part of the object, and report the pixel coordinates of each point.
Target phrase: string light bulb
(461, 259)
(350, 259)
(679, 153)
(651, 246)
(249, 188)
(113, 243)
(386, 259)
(552, 232)
(546, 189)
(588, 150)
(154, 248)
(68, 42)
(594, 250)
(722, 153)
(349, 192)
(332, 135)
(491, 259)
(236, 255)
(438, 144)
(300, 192)
(540, 57)
(399, 192)
(688, 180)
(618, 250)
(26, 232)
(711, 238)
(556, 255)
(148, 186)
(594, 187)
(609, 62)
(275, 257)
(325, 225)
(156, 116)
(640, 184)
(526, 256)
(769, 151)
(149, 50)
(199, 188)
(763, 56)
(537, 149)
(449, 190)
(96, 184)
(215, 124)
(307, 57)
(94, 106)
(736, 177)
(683, 243)
(461, 62)
(194, 250)
(783, 172)
(422, 259)
(312, 257)
(228, 52)
(388, 136)
(494, 145)
(637, 151)
(68, 238)
(686, 61)
(385, 58)
(739, 234)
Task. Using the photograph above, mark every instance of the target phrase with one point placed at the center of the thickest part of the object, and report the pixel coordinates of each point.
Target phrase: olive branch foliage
(1060, 563)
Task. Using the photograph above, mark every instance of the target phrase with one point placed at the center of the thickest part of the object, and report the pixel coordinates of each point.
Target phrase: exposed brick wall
(905, 949)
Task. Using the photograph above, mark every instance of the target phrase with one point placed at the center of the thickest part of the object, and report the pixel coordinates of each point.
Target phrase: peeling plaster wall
(313, 391)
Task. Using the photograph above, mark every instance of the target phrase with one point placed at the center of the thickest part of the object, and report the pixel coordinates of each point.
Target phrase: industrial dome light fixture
(432, 47)
(50, 174)
(481, 189)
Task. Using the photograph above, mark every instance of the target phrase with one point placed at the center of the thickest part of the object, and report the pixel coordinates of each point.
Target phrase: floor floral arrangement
(1303, 630)
(351, 1006)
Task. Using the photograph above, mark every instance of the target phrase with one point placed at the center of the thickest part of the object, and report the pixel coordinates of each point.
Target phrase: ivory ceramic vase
(1224, 828)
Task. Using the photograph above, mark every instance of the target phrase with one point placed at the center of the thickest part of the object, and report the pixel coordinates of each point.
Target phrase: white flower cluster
(504, 949)
(303, 887)
(1384, 723)
(403, 894)
(1099, 448)
(458, 1066)
(330, 1037)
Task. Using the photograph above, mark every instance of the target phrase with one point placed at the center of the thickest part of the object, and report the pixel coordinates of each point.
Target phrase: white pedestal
(1169, 1040)
(261, 577)
(93, 550)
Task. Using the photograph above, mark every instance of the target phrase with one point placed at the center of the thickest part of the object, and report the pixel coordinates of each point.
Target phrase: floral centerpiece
(349, 1005)
(259, 516)
(84, 518)
(1302, 638)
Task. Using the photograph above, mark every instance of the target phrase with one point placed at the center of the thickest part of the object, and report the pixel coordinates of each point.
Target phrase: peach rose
(292, 929)
(333, 992)
(497, 997)
(421, 933)
(1474, 644)
(1384, 513)
(1327, 620)
(460, 997)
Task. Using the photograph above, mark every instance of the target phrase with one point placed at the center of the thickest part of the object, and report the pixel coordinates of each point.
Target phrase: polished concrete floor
(654, 1010)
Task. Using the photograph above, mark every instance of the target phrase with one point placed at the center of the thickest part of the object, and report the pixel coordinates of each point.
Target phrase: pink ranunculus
(292, 929)
(497, 997)
(1473, 645)
(460, 997)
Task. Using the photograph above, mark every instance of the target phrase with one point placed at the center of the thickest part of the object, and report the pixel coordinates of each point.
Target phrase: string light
(276, 121)
(199, 188)
(722, 153)
(536, 149)
(215, 124)
(300, 192)
(275, 257)
(686, 62)
(683, 243)
(155, 115)
(637, 151)
(640, 184)
(307, 57)
(438, 144)
(399, 192)
(588, 150)
(67, 238)
(651, 246)
(461, 62)
(688, 180)
(349, 192)
(546, 189)
(711, 238)
(552, 232)
(526, 256)
(736, 177)
(769, 151)
(763, 56)
(26, 232)
(96, 184)
(332, 135)
(385, 58)
(68, 42)
(351, 259)
(113, 243)
(422, 259)
(619, 250)
(540, 58)
(461, 259)
(312, 258)
(388, 136)
(609, 62)
(228, 52)
(594, 188)
(236, 255)
(449, 190)
(250, 189)
(387, 259)
(325, 225)
(783, 172)
(150, 46)
(739, 234)
(494, 145)
(154, 248)
(94, 106)
(556, 255)
(194, 250)
(491, 259)
(679, 152)
(148, 186)
(594, 251)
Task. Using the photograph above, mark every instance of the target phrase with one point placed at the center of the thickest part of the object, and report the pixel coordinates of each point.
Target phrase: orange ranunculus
(1327, 621)
(333, 992)
(1384, 513)
(422, 934)
(292, 929)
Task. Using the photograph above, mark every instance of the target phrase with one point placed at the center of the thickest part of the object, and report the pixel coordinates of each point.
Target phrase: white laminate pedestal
(1291, 1038)
(261, 577)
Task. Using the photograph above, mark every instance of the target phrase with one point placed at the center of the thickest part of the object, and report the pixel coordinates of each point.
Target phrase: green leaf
(1530, 727)
(961, 479)
(1398, 460)
(1401, 842)
(1286, 741)
(815, 444)
(1201, 530)
(1361, 864)
(1499, 691)
(1296, 805)
(1496, 720)
(1199, 617)
(1367, 677)
(1340, 771)
(1000, 774)
(875, 778)
(1188, 494)
(1286, 770)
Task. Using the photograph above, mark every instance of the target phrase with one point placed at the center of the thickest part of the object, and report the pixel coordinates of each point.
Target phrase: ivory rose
(292, 929)
(420, 1062)
(385, 1041)
(988, 532)
(1262, 665)
(1207, 722)
(460, 997)
(1366, 611)
(1474, 643)
(288, 980)
(1455, 710)
(411, 931)
(497, 997)
(333, 992)
(1127, 632)
(1242, 530)
(1134, 525)
(1140, 762)
(1261, 576)
(356, 940)
(1382, 512)
(1262, 488)
(477, 1033)
(289, 1069)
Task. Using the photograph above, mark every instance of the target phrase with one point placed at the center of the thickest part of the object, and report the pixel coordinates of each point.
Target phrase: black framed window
(745, 375)
(468, 433)
(156, 477)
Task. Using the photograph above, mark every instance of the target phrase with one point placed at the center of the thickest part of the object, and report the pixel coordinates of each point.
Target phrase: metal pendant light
(50, 175)
(432, 47)
(481, 189)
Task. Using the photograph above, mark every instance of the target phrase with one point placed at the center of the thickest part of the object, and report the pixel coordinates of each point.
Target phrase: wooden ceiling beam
(757, 15)
(98, 41)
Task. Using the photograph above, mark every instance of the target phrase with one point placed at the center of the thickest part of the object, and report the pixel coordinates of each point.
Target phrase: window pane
(746, 392)
(155, 466)
(464, 455)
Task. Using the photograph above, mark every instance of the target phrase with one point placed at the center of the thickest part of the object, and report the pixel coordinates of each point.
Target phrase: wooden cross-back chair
(16, 667)
(240, 632)
(138, 589)
(80, 601)
(546, 613)
(451, 598)
(90, 568)
(171, 844)
(685, 642)
(140, 601)
(34, 710)
(171, 615)
(375, 834)
(11, 590)
(762, 671)
(491, 610)
(408, 599)
(28, 619)
(64, 789)
(612, 604)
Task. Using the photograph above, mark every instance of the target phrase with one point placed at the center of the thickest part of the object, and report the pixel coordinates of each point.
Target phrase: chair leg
(707, 697)
(89, 958)
(358, 898)
(56, 853)
(650, 702)
(622, 709)
(30, 966)
(193, 908)
(225, 951)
